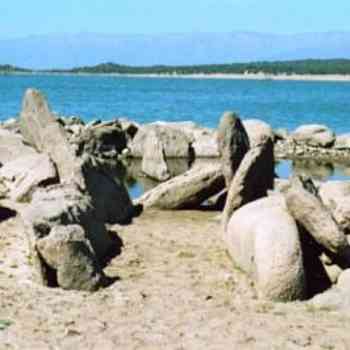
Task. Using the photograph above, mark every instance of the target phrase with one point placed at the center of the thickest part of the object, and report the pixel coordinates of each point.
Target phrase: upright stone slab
(233, 143)
(252, 180)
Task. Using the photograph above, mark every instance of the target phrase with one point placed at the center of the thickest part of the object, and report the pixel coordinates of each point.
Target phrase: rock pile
(70, 196)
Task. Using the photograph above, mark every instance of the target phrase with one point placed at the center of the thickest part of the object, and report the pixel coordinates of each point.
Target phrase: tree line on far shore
(300, 67)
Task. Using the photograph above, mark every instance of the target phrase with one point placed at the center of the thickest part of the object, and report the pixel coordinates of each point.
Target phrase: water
(283, 104)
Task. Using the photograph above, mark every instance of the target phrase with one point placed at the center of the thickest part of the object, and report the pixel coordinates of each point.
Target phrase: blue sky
(23, 18)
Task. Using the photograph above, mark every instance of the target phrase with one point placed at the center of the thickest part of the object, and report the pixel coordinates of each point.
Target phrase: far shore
(223, 76)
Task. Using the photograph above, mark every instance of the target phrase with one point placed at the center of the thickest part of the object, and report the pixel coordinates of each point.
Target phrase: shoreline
(204, 76)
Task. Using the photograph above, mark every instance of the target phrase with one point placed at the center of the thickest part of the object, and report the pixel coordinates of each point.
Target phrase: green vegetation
(7, 68)
(336, 66)
(300, 67)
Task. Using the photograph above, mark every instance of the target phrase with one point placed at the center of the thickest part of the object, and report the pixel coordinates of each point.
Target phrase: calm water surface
(282, 104)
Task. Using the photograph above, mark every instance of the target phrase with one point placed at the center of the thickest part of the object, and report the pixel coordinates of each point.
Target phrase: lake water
(282, 104)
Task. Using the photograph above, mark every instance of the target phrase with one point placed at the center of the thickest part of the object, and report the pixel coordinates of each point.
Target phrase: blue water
(283, 104)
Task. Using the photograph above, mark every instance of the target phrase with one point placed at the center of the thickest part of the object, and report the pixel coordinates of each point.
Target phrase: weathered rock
(105, 139)
(333, 272)
(23, 175)
(153, 162)
(336, 197)
(204, 143)
(313, 168)
(40, 127)
(233, 144)
(67, 251)
(175, 142)
(65, 205)
(263, 240)
(12, 125)
(314, 135)
(258, 132)
(12, 147)
(309, 212)
(252, 180)
(189, 190)
(342, 142)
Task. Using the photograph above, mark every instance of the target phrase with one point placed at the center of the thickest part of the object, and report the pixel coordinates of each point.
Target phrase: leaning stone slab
(336, 197)
(67, 252)
(233, 143)
(23, 175)
(252, 180)
(189, 190)
(263, 240)
(309, 211)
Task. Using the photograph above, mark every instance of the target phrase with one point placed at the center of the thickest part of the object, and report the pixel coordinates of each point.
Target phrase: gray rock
(344, 280)
(67, 251)
(309, 212)
(263, 240)
(23, 175)
(252, 180)
(233, 144)
(189, 190)
(342, 142)
(314, 135)
(175, 142)
(336, 197)
(40, 128)
(258, 132)
(153, 162)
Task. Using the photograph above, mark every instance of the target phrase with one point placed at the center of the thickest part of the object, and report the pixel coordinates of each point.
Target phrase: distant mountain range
(76, 50)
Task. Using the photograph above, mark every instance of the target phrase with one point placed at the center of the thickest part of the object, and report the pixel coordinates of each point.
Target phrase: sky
(22, 18)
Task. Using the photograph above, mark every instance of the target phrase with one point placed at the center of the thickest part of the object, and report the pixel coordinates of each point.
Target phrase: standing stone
(233, 143)
(252, 180)
(153, 161)
(258, 132)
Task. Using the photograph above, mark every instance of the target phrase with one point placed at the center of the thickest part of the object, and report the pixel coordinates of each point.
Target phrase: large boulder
(258, 131)
(153, 161)
(175, 142)
(336, 197)
(12, 146)
(314, 135)
(308, 210)
(233, 144)
(188, 190)
(252, 180)
(67, 251)
(23, 175)
(263, 240)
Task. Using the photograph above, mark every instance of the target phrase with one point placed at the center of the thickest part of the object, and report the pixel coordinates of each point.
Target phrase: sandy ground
(178, 289)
